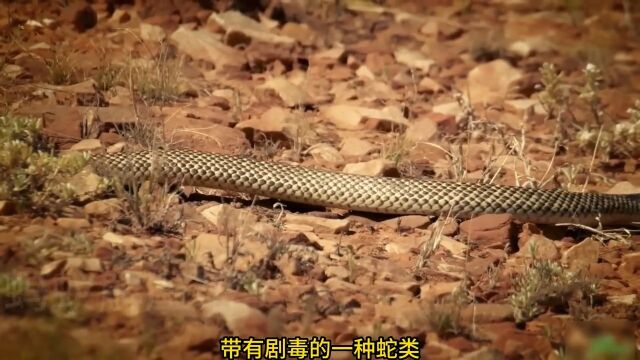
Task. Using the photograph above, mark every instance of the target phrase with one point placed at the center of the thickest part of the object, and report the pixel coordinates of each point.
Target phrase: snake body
(368, 193)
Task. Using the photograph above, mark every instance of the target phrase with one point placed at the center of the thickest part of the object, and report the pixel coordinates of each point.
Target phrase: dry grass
(432, 243)
(150, 205)
(61, 69)
(155, 81)
(108, 75)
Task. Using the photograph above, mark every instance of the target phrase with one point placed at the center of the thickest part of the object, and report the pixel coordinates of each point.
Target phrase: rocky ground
(495, 91)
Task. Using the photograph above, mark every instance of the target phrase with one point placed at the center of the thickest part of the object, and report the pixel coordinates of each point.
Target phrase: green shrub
(32, 178)
(545, 284)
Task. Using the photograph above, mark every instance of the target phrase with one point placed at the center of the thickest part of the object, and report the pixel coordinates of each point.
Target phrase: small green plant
(107, 75)
(149, 205)
(589, 92)
(38, 250)
(545, 284)
(598, 132)
(397, 148)
(13, 290)
(444, 317)
(61, 71)
(33, 179)
(64, 307)
(156, 80)
(12, 286)
(554, 96)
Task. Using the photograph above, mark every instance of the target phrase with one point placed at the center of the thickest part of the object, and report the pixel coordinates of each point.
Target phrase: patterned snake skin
(371, 194)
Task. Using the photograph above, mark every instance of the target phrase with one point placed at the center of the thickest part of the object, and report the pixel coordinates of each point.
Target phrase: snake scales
(371, 194)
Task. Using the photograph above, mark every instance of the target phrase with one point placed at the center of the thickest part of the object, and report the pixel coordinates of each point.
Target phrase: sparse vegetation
(599, 132)
(34, 179)
(108, 75)
(444, 316)
(41, 249)
(545, 284)
(13, 292)
(156, 81)
(64, 307)
(150, 204)
(554, 95)
(397, 149)
(61, 70)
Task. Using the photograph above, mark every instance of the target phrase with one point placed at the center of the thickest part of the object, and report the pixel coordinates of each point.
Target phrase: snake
(373, 194)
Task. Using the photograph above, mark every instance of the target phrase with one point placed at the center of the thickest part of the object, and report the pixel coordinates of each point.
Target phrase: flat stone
(491, 230)
(630, 263)
(456, 248)
(123, 240)
(357, 148)
(337, 271)
(92, 265)
(408, 222)
(73, 223)
(484, 313)
(375, 167)
(602, 270)
(540, 248)
(629, 299)
(176, 310)
(228, 218)
(84, 264)
(86, 145)
(448, 226)
(433, 291)
(52, 268)
(422, 130)
(103, 208)
(240, 318)
(335, 226)
(581, 255)
(477, 267)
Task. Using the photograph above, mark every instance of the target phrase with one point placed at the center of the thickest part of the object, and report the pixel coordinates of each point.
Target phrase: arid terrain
(540, 94)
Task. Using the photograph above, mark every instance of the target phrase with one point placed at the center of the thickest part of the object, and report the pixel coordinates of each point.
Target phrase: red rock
(630, 263)
(582, 255)
(602, 270)
(460, 343)
(450, 226)
(491, 230)
(408, 222)
(514, 343)
(485, 313)
(540, 248)
(422, 130)
(479, 266)
(240, 318)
